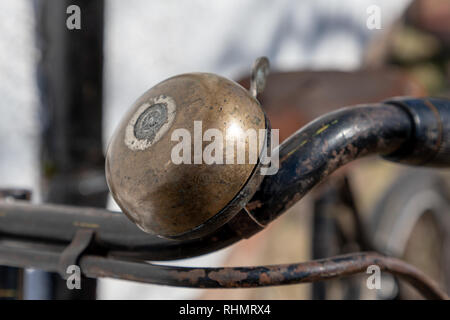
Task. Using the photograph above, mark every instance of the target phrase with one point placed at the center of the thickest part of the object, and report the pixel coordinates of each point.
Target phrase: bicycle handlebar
(411, 131)
(429, 142)
(407, 131)
(324, 145)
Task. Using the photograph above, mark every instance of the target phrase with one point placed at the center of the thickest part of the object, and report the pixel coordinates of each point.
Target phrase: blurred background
(64, 91)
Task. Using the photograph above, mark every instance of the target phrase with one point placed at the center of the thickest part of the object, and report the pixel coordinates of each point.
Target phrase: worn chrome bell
(163, 163)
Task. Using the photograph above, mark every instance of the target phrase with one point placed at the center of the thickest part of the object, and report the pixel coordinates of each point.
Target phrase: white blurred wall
(18, 96)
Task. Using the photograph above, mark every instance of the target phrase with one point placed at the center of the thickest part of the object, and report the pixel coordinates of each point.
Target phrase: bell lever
(260, 71)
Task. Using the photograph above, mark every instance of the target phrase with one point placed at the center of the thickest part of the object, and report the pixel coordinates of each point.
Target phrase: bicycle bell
(193, 198)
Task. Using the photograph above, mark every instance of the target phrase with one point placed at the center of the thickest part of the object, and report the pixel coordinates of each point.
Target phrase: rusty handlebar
(407, 131)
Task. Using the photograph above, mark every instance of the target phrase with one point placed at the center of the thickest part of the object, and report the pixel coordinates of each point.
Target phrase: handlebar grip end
(429, 142)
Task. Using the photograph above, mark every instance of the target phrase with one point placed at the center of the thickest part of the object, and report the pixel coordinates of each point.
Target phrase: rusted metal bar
(47, 257)
(272, 275)
(113, 231)
(12, 279)
(30, 254)
(80, 243)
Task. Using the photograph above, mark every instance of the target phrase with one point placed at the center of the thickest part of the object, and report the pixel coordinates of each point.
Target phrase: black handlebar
(414, 131)
(429, 141)
(326, 144)
(409, 131)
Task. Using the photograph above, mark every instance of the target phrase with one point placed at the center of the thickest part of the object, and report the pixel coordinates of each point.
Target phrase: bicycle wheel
(412, 221)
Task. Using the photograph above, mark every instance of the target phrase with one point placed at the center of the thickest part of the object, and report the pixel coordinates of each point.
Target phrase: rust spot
(86, 225)
(192, 276)
(254, 205)
(264, 279)
(228, 278)
(274, 277)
